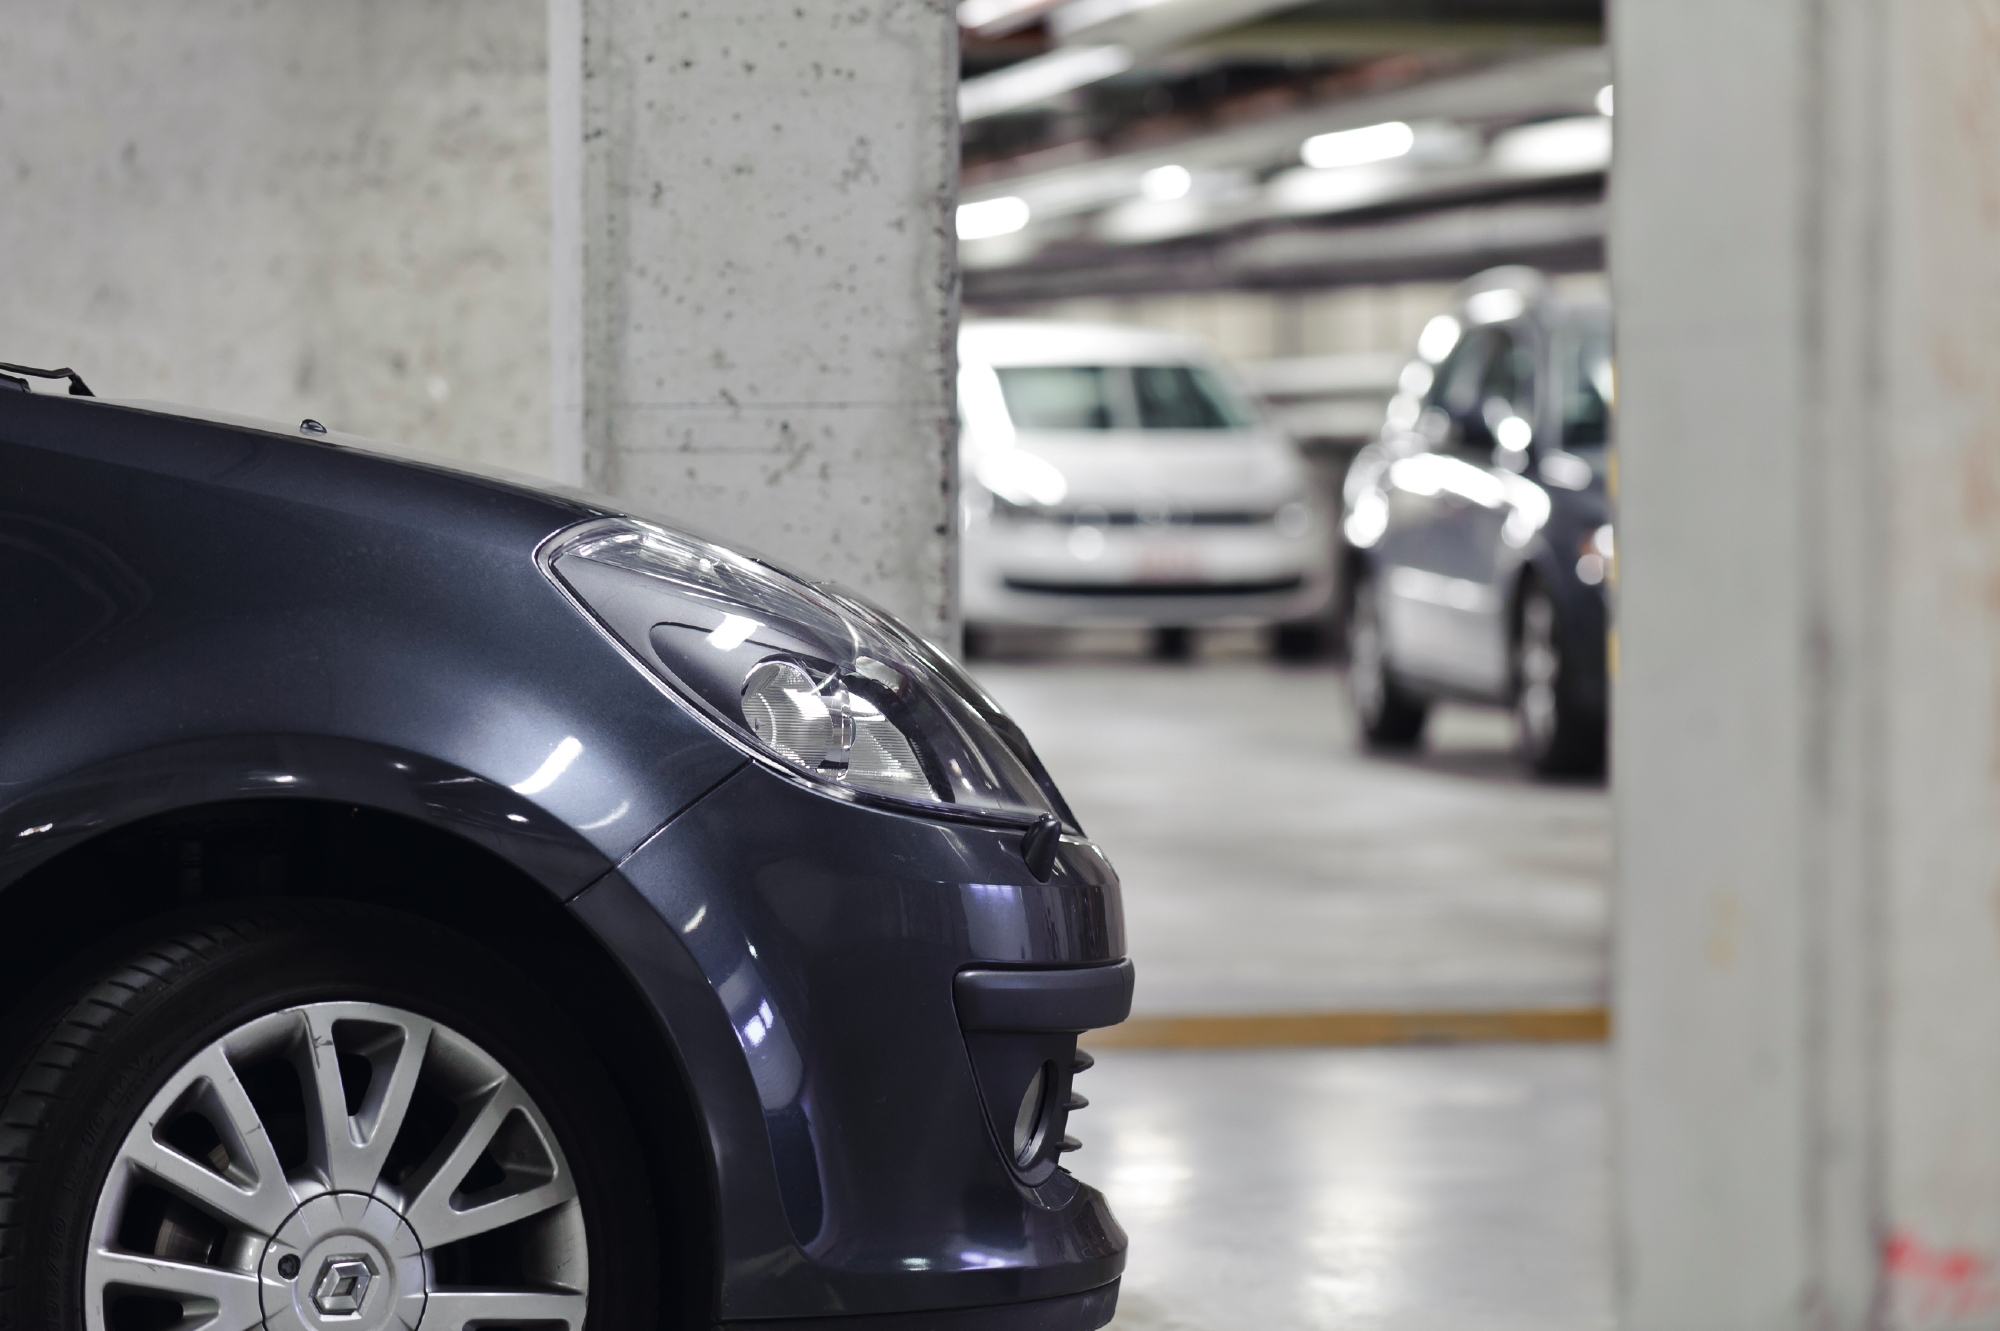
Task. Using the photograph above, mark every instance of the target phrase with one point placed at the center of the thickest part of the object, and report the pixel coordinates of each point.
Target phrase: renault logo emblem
(342, 1288)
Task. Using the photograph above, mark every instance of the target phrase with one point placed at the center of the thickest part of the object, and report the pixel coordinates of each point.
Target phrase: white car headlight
(804, 679)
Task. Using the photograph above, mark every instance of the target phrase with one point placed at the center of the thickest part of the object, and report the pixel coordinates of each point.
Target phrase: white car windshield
(1121, 397)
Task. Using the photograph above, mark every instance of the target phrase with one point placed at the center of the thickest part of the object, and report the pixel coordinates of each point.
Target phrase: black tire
(132, 1021)
(1559, 735)
(1386, 714)
(1173, 644)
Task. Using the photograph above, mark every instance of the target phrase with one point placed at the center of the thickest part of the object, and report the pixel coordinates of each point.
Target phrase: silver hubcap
(356, 1263)
(1364, 658)
(1538, 668)
(322, 1169)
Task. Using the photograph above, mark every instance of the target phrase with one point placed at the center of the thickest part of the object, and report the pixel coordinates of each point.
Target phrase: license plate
(1169, 564)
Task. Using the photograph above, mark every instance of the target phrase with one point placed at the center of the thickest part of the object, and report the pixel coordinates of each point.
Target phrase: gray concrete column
(1806, 262)
(755, 277)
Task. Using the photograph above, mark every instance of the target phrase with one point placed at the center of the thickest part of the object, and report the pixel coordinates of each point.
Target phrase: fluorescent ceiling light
(1166, 182)
(1039, 80)
(1357, 147)
(991, 217)
(1304, 190)
(996, 17)
(1574, 145)
(1154, 26)
(1604, 100)
(1139, 221)
(1081, 14)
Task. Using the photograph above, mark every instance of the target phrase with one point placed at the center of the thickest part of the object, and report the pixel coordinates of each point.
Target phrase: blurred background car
(1116, 477)
(1478, 528)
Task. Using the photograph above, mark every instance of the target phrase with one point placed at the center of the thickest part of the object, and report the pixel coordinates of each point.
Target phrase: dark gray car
(428, 900)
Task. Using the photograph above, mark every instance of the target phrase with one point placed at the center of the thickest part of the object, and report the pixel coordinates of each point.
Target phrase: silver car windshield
(1121, 397)
(1585, 372)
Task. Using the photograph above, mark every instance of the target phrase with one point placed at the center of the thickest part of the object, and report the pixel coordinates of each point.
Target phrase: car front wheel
(1558, 735)
(1387, 716)
(314, 1117)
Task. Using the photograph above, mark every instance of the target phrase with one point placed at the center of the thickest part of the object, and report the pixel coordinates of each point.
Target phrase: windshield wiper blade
(77, 387)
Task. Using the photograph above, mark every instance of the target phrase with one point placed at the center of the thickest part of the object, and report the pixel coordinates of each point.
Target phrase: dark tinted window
(1185, 397)
(1058, 397)
(1490, 363)
(1456, 387)
(1586, 387)
(1509, 379)
(1488, 378)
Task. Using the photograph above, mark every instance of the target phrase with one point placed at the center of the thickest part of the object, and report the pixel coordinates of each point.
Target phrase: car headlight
(806, 680)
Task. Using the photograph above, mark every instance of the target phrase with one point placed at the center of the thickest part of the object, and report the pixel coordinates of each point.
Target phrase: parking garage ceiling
(1127, 146)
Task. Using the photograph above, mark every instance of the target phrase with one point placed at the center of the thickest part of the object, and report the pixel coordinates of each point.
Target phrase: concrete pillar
(1806, 264)
(288, 208)
(755, 282)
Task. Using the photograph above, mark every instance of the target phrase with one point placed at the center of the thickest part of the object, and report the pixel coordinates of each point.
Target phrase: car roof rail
(77, 387)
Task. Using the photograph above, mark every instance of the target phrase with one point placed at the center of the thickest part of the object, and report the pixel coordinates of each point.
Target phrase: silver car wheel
(1538, 668)
(345, 1202)
(1365, 667)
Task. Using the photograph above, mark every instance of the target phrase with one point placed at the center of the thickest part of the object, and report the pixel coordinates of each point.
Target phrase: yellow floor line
(1532, 1025)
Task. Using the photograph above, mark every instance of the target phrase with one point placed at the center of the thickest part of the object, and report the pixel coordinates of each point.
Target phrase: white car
(1117, 476)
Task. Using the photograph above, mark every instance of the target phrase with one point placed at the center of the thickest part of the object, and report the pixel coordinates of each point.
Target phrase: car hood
(566, 504)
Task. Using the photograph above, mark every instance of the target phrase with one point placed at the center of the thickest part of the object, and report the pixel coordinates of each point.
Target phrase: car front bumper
(805, 955)
(1071, 1312)
(1032, 572)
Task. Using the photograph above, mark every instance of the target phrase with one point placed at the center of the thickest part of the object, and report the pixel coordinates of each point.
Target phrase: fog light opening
(1031, 1119)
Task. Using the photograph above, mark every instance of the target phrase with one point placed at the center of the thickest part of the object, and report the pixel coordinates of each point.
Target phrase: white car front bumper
(1037, 572)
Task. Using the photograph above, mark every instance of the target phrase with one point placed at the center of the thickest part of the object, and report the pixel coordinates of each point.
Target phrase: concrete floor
(1414, 1189)
(1270, 867)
